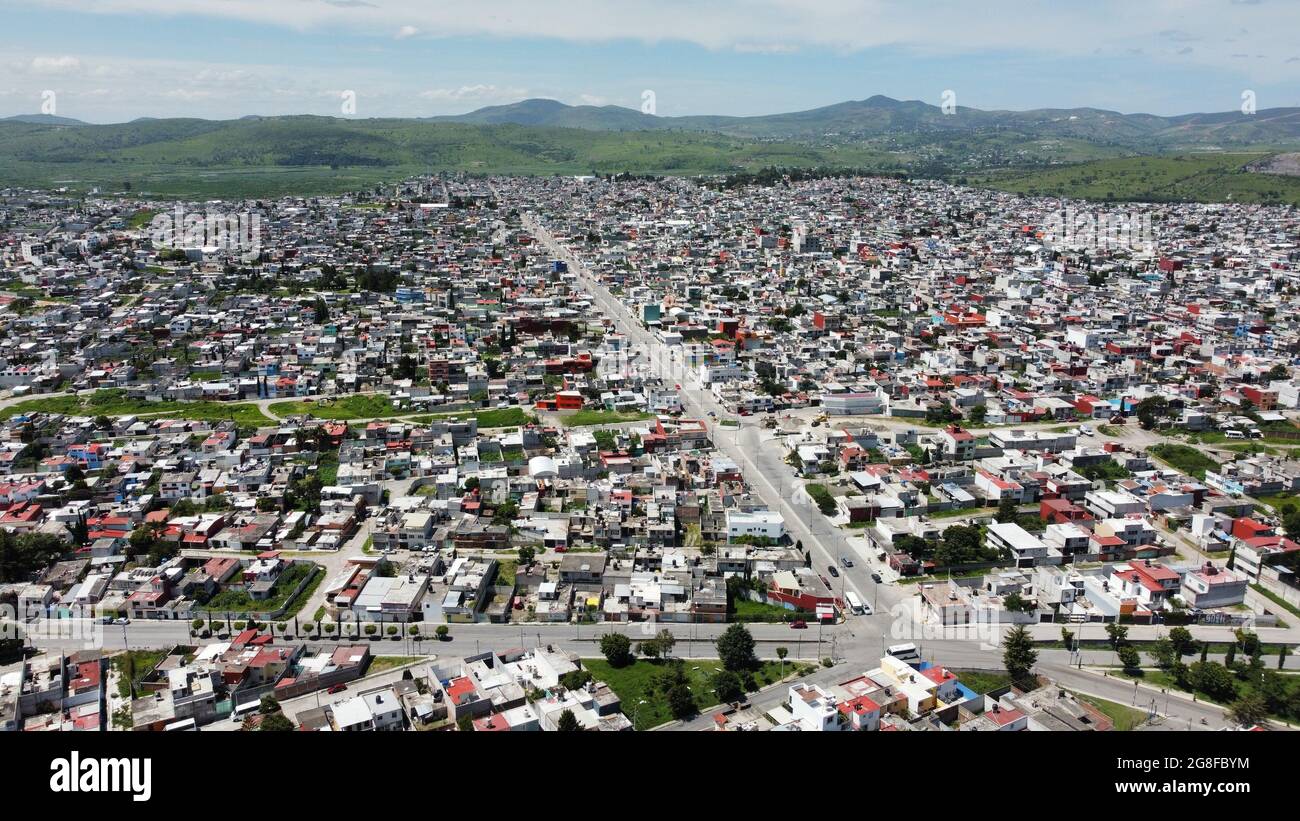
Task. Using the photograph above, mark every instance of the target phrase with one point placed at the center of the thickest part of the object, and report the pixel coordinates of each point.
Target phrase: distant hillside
(266, 156)
(1197, 178)
(41, 119)
(1047, 150)
(880, 115)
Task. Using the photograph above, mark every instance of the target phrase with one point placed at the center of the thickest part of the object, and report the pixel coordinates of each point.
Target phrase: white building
(758, 523)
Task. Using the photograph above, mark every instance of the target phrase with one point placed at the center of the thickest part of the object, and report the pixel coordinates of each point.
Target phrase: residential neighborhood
(483, 453)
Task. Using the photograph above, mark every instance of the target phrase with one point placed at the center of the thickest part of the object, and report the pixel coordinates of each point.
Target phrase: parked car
(337, 688)
(875, 577)
(800, 624)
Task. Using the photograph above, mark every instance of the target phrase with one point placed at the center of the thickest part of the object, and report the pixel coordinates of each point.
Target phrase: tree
(567, 723)
(736, 648)
(1130, 658)
(960, 544)
(727, 686)
(1182, 640)
(1212, 679)
(1164, 653)
(667, 641)
(526, 555)
(1018, 654)
(275, 722)
(650, 648)
(441, 632)
(1067, 638)
(1006, 510)
(781, 653)
(268, 705)
(505, 513)
(1118, 633)
(680, 701)
(1249, 710)
(1017, 603)
(617, 649)
(575, 679)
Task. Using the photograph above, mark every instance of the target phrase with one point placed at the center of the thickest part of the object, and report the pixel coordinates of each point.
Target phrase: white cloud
(55, 65)
(406, 31)
(952, 26)
(473, 92)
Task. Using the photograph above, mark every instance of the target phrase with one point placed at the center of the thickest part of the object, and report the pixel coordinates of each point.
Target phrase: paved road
(767, 474)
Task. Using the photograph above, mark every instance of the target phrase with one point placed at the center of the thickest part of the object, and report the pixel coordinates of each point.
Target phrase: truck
(854, 601)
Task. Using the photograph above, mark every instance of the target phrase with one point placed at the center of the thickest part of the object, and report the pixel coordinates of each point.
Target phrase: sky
(116, 60)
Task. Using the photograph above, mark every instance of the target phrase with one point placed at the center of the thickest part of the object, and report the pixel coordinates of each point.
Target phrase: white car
(1086, 430)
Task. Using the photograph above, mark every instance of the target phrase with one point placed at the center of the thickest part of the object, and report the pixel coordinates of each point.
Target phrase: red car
(337, 688)
(798, 625)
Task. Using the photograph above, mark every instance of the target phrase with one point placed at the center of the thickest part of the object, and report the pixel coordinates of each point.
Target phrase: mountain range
(261, 155)
(879, 115)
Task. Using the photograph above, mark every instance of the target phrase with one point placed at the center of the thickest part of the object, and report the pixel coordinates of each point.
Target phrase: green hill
(273, 155)
(1198, 178)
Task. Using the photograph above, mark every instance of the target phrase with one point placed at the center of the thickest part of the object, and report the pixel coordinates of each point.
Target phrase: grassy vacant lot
(1275, 501)
(962, 511)
(748, 610)
(637, 682)
(343, 409)
(1182, 457)
(381, 663)
(114, 402)
(1125, 718)
(603, 417)
(238, 602)
(825, 501)
(134, 665)
(983, 681)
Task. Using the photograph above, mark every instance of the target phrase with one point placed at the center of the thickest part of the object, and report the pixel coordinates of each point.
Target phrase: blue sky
(114, 60)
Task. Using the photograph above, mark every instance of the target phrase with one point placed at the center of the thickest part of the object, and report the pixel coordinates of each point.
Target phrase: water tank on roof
(542, 467)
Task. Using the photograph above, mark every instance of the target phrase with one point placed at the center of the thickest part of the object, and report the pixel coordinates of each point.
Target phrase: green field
(381, 663)
(1124, 717)
(603, 417)
(114, 402)
(1208, 177)
(748, 610)
(983, 681)
(636, 682)
(238, 602)
(1182, 457)
(825, 501)
(369, 406)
